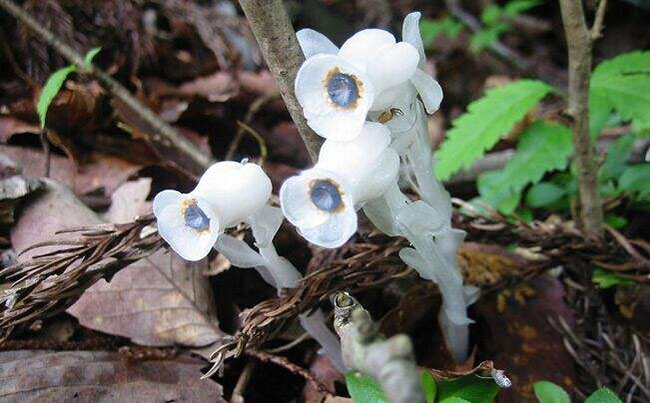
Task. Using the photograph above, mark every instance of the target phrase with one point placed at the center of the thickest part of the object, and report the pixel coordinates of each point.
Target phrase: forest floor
(540, 316)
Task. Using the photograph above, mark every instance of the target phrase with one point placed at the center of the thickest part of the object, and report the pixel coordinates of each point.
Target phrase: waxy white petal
(313, 43)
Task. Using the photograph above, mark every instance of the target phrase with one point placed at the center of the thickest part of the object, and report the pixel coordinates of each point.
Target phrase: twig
(252, 110)
(580, 44)
(165, 134)
(390, 361)
(260, 140)
(277, 39)
(597, 28)
(291, 367)
(45, 143)
(245, 376)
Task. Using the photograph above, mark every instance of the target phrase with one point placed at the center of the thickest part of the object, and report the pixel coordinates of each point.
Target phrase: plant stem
(390, 361)
(164, 134)
(580, 44)
(270, 24)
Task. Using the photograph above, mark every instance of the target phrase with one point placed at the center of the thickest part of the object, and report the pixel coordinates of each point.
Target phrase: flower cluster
(372, 77)
(337, 88)
(369, 100)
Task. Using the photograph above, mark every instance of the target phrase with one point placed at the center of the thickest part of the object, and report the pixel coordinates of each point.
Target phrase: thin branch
(279, 46)
(164, 133)
(597, 28)
(252, 111)
(579, 44)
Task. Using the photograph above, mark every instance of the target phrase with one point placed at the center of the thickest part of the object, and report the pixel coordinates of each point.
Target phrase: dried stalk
(277, 39)
(164, 134)
(50, 283)
(580, 45)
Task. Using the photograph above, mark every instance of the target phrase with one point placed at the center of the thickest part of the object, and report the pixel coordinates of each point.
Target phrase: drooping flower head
(322, 201)
(337, 87)
(227, 193)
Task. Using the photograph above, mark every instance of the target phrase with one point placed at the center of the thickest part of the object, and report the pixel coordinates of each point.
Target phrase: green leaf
(636, 180)
(491, 15)
(617, 155)
(615, 221)
(364, 389)
(50, 90)
(487, 37)
(430, 29)
(599, 111)
(624, 84)
(542, 147)
(516, 7)
(454, 399)
(470, 388)
(90, 55)
(428, 386)
(486, 120)
(603, 395)
(544, 194)
(490, 187)
(606, 279)
(548, 392)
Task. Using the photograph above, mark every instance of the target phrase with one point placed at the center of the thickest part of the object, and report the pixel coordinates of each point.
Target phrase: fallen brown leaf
(102, 170)
(520, 340)
(96, 376)
(12, 189)
(159, 301)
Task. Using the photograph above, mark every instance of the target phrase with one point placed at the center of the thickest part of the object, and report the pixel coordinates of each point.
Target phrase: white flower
(337, 88)
(187, 222)
(428, 88)
(234, 190)
(322, 201)
(227, 194)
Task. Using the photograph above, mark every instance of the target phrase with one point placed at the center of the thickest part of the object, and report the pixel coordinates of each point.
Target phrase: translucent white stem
(280, 273)
(427, 226)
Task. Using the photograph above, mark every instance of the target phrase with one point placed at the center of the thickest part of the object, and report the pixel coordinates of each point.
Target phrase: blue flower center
(325, 195)
(195, 218)
(342, 89)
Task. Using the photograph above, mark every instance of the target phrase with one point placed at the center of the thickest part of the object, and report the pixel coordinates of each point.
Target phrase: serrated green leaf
(548, 392)
(636, 180)
(428, 386)
(624, 82)
(606, 279)
(470, 388)
(485, 121)
(50, 90)
(542, 147)
(490, 187)
(90, 55)
(515, 7)
(603, 395)
(364, 389)
(617, 155)
(599, 111)
(543, 195)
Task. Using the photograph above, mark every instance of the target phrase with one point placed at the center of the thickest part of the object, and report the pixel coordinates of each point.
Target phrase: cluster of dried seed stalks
(50, 283)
